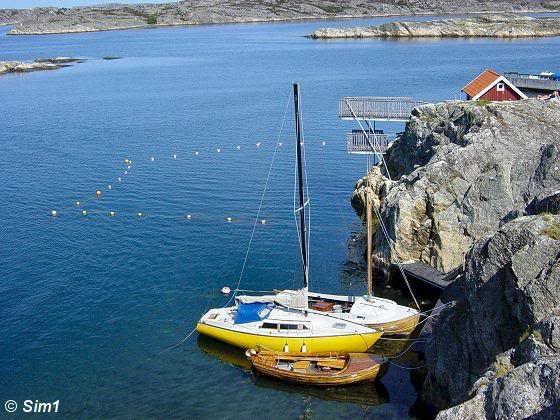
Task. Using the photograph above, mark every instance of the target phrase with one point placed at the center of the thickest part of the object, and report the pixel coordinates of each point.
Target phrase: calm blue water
(87, 302)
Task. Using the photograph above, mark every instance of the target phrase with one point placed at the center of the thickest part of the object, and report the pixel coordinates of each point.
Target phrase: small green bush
(553, 228)
(152, 20)
(482, 102)
(553, 231)
(332, 9)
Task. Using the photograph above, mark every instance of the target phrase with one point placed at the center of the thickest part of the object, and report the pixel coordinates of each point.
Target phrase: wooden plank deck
(377, 108)
(536, 82)
(357, 142)
(417, 270)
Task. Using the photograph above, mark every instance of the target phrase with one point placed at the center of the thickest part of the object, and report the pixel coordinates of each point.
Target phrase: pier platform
(376, 108)
(358, 142)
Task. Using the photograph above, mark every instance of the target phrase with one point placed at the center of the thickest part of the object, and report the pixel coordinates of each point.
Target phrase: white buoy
(139, 214)
(304, 348)
(324, 143)
(229, 219)
(110, 186)
(125, 172)
(152, 159)
(98, 193)
(219, 150)
(238, 147)
(259, 144)
(120, 179)
(111, 213)
(53, 213)
(286, 348)
(128, 167)
(196, 153)
(263, 221)
(280, 144)
(84, 212)
(77, 203)
(189, 216)
(126, 161)
(174, 156)
(226, 290)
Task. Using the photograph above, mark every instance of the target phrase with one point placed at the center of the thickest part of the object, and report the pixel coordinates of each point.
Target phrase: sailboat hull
(401, 327)
(337, 343)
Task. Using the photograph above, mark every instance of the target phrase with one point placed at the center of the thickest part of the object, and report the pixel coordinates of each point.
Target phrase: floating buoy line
(100, 193)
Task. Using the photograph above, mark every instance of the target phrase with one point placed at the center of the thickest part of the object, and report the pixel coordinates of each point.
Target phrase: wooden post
(369, 244)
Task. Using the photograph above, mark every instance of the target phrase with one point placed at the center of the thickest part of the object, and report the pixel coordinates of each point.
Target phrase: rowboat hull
(361, 367)
(348, 343)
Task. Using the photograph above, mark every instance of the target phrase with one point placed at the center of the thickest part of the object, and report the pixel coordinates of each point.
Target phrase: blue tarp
(251, 312)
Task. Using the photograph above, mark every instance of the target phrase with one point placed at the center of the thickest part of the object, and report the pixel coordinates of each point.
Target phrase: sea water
(88, 302)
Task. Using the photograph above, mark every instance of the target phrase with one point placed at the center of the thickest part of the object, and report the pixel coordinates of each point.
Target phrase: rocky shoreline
(123, 16)
(478, 185)
(486, 26)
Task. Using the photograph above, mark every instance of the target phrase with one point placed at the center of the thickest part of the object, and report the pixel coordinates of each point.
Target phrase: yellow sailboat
(267, 323)
(284, 322)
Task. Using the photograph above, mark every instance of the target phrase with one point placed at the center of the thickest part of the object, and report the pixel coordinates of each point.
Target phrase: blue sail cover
(251, 312)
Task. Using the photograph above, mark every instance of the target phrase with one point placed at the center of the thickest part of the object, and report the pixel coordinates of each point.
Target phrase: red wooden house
(492, 86)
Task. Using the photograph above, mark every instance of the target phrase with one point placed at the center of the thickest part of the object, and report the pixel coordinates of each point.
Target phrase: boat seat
(323, 306)
(333, 364)
(301, 365)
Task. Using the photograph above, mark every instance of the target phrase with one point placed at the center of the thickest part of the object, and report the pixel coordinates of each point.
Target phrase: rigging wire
(381, 223)
(253, 230)
(260, 205)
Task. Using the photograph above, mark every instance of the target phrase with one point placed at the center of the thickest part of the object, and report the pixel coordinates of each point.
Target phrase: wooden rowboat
(319, 369)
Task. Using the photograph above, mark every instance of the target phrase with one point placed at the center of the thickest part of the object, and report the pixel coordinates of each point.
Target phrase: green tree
(152, 20)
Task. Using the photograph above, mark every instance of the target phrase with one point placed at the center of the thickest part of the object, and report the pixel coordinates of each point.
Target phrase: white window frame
(501, 87)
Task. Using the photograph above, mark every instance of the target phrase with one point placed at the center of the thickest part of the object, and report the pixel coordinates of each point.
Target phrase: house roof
(482, 81)
(485, 81)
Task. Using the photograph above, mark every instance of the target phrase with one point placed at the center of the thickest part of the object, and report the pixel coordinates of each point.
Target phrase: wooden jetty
(534, 84)
(377, 108)
(427, 275)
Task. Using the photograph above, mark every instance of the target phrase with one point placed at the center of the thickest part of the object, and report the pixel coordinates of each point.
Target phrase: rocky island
(477, 185)
(122, 16)
(484, 26)
(38, 64)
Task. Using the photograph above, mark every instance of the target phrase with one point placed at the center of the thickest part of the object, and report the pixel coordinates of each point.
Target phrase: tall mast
(369, 244)
(300, 185)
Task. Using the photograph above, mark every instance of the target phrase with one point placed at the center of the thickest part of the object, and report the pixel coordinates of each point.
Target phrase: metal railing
(531, 81)
(375, 107)
(358, 143)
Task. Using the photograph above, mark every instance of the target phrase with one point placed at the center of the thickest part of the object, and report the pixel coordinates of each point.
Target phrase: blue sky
(23, 4)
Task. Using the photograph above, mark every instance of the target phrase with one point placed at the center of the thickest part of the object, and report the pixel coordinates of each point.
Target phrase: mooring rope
(406, 367)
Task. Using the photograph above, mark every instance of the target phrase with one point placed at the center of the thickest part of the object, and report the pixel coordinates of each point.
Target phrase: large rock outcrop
(486, 26)
(496, 353)
(459, 172)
